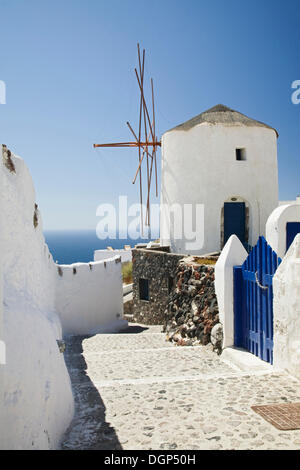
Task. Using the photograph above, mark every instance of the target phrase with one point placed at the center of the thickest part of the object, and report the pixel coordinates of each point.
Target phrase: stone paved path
(136, 391)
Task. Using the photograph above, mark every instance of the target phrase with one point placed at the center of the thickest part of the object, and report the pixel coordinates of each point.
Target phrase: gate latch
(258, 283)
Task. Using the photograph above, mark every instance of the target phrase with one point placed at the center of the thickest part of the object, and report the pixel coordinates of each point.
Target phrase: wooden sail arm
(130, 144)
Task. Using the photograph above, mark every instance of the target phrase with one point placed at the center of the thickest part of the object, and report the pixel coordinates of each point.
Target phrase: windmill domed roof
(221, 114)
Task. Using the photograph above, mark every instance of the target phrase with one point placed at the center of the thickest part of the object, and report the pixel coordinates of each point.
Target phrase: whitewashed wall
(90, 297)
(276, 225)
(286, 289)
(2, 342)
(233, 254)
(199, 167)
(100, 255)
(36, 398)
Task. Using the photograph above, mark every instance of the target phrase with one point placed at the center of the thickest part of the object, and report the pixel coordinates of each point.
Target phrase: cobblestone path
(136, 391)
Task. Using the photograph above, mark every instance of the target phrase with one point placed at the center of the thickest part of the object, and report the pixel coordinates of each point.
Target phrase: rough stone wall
(192, 310)
(157, 267)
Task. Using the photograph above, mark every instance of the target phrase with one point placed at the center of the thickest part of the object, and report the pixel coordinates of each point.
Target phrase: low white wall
(286, 305)
(90, 297)
(36, 403)
(127, 288)
(233, 254)
(276, 225)
(100, 255)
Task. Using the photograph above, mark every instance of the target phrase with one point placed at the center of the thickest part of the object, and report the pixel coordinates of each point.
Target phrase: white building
(227, 162)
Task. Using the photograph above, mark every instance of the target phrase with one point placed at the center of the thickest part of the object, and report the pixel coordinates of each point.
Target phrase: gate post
(238, 305)
(233, 254)
(286, 288)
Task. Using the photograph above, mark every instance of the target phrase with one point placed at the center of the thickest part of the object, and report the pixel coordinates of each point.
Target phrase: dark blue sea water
(72, 246)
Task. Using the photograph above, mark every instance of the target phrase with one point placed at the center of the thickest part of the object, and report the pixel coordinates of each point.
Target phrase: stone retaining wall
(192, 312)
(158, 268)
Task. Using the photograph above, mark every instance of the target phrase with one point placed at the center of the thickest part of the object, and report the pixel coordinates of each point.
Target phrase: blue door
(234, 220)
(253, 301)
(292, 228)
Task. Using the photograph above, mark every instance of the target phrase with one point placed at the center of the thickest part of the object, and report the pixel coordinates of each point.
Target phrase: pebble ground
(134, 390)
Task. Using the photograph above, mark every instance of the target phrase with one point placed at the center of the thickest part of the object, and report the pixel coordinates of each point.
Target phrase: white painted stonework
(233, 254)
(2, 343)
(39, 307)
(36, 402)
(286, 305)
(285, 203)
(199, 166)
(127, 288)
(276, 225)
(100, 255)
(89, 297)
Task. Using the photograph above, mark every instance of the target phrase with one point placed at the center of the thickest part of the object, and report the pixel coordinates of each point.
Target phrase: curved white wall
(36, 403)
(276, 226)
(199, 167)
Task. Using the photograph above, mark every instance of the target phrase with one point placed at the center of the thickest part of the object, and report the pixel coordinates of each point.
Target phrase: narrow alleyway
(134, 390)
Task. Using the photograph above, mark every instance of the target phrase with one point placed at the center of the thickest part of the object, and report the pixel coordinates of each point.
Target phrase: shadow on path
(89, 429)
(134, 329)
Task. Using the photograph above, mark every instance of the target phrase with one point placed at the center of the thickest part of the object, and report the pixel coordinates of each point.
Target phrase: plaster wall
(276, 225)
(36, 403)
(233, 254)
(286, 306)
(89, 297)
(100, 255)
(2, 342)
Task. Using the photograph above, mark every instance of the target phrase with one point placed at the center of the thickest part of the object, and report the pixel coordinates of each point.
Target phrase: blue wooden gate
(253, 301)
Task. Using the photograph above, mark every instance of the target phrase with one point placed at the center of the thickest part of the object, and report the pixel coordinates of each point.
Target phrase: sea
(74, 246)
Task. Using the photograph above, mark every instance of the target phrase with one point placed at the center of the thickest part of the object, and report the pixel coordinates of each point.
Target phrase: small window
(144, 289)
(170, 284)
(240, 154)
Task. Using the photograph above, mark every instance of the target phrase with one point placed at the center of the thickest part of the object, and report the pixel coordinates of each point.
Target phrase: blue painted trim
(238, 305)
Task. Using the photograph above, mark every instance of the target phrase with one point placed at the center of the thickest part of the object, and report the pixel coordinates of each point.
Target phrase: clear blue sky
(69, 71)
